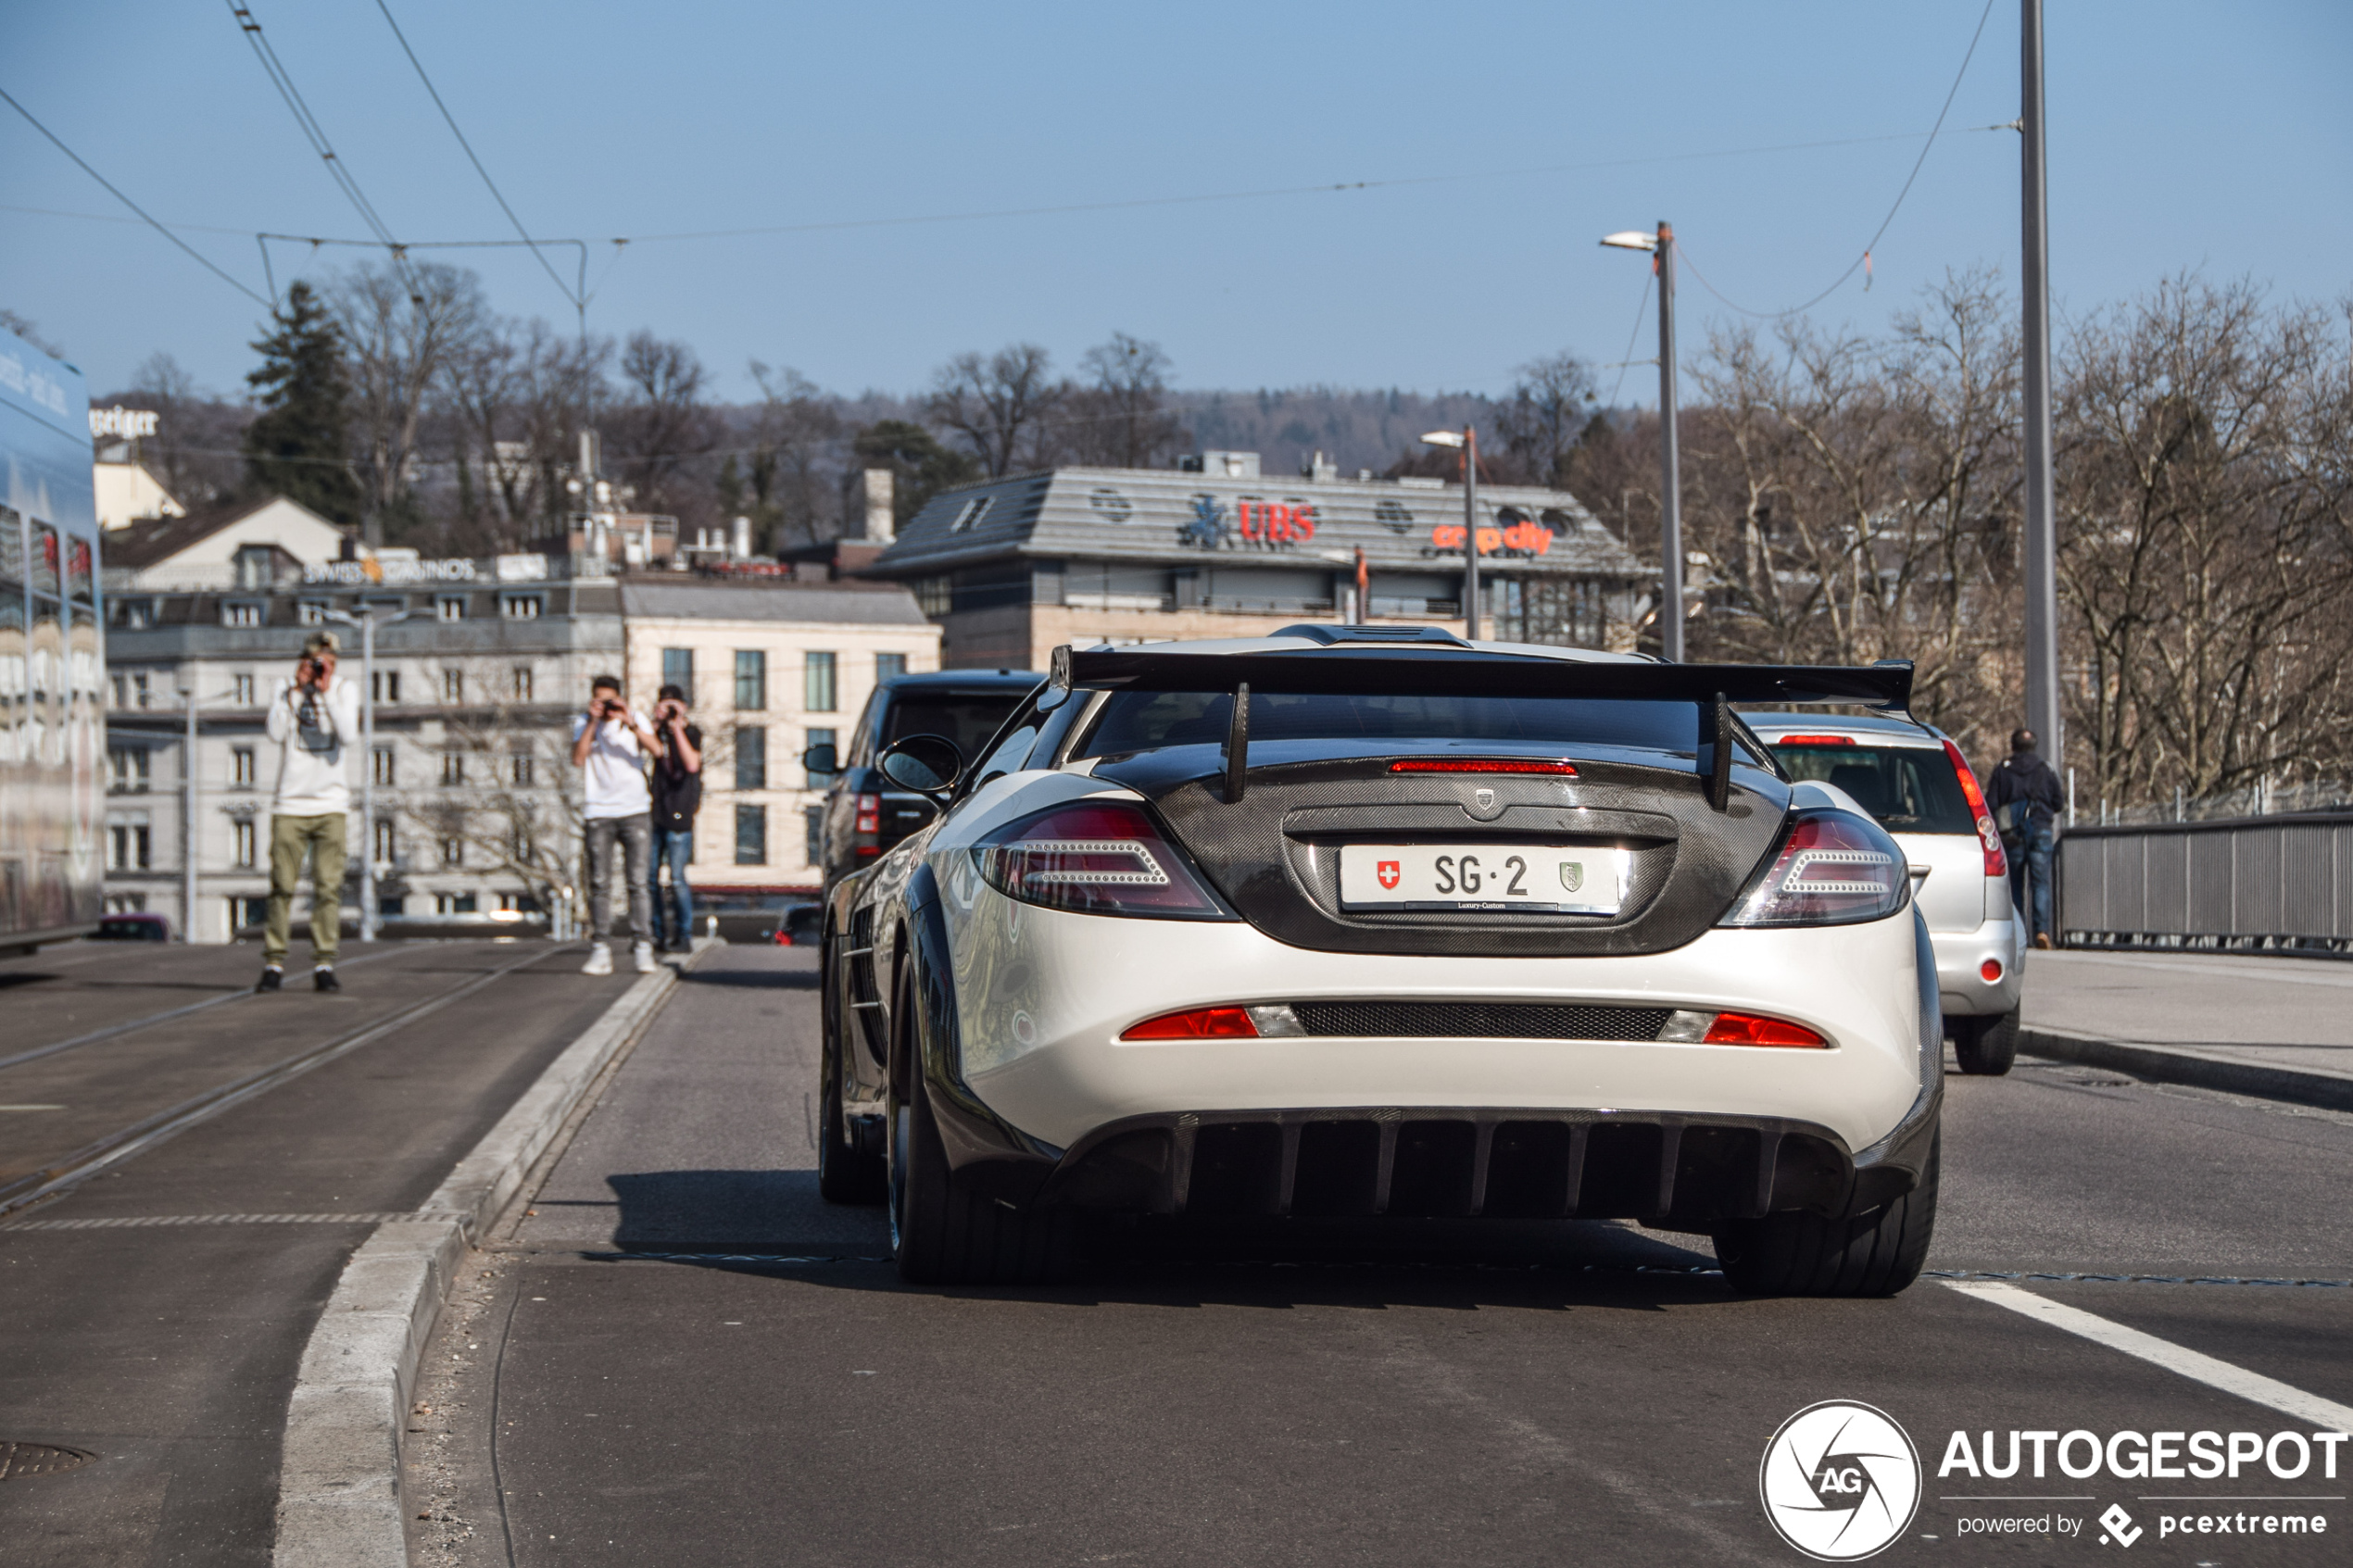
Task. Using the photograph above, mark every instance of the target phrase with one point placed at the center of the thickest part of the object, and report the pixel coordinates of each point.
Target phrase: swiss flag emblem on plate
(1388, 872)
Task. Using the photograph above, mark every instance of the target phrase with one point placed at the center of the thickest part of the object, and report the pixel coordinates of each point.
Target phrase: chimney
(881, 528)
(1318, 468)
(739, 544)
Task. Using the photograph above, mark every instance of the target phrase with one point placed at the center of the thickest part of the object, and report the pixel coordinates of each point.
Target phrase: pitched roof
(152, 541)
(1175, 518)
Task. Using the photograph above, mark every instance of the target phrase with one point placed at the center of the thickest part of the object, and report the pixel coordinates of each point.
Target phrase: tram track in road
(128, 1027)
(127, 1142)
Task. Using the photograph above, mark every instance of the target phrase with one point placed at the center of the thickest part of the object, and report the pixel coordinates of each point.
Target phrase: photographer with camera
(677, 794)
(612, 743)
(313, 719)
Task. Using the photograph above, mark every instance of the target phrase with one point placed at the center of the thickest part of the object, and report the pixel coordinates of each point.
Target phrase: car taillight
(1832, 868)
(869, 814)
(1996, 863)
(1219, 1024)
(1738, 1029)
(1096, 859)
(1815, 740)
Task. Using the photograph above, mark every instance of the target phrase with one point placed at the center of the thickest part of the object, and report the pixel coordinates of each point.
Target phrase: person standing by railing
(2026, 796)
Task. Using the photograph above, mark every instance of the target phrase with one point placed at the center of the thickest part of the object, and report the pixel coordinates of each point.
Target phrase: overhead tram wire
(316, 135)
(200, 258)
(1872, 243)
(578, 298)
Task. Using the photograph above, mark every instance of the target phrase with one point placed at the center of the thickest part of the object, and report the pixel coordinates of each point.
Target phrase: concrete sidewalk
(2280, 1028)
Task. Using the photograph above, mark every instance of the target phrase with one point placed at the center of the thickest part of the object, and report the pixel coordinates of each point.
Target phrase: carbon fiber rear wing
(1397, 671)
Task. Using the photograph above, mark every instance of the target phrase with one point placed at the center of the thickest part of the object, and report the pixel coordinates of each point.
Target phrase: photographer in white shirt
(314, 720)
(611, 742)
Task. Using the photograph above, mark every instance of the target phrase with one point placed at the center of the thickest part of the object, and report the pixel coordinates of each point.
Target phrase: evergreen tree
(921, 466)
(296, 447)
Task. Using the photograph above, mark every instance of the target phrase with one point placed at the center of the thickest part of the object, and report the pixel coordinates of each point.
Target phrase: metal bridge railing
(2246, 885)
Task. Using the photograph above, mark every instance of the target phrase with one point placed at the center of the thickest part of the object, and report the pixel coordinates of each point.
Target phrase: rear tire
(944, 1233)
(1986, 1046)
(1878, 1252)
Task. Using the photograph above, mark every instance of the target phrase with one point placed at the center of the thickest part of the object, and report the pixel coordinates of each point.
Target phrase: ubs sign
(1253, 523)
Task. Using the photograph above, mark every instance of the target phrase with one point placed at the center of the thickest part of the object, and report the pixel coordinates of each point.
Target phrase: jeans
(633, 834)
(2031, 872)
(291, 840)
(672, 849)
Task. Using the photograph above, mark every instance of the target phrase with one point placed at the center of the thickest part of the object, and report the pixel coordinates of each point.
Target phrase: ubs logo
(1840, 1481)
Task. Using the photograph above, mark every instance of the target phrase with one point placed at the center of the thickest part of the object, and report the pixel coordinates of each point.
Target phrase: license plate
(1545, 878)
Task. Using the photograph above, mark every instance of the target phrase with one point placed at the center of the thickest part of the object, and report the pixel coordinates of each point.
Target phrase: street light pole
(1670, 497)
(1470, 533)
(1670, 503)
(189, 702)
(2041, 534)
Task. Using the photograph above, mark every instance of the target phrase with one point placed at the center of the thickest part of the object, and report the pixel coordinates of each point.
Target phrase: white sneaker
(644, 953)
(599, 960)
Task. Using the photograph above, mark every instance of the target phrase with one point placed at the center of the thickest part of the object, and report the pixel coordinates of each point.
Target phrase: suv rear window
(968, 718)
(1134, 721)
(1908, 788)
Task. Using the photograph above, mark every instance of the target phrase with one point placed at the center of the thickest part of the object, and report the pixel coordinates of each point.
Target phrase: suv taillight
(1832, 868)
(1098, 859)
(869, 814)
(1996, 863)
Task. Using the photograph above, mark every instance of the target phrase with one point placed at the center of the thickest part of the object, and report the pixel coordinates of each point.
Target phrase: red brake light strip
(1482, 765)
(1815, 740)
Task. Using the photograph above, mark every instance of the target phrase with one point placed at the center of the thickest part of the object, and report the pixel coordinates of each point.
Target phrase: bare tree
(1546, 411)
(194, 432)
(996, 403)
(661, 426)
(506, 800)
(1118, 417)
(403, 326)
(519, 393)
(793, 478)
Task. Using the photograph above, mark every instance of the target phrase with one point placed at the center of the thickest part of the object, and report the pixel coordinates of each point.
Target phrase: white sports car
(1356, 920)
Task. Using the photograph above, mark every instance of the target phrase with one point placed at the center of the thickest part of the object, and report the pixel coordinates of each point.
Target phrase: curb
(339, 1503)
(2203, 1068)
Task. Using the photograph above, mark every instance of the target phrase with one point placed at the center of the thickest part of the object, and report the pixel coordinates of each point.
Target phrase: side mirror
(822, 758)
(926, 764)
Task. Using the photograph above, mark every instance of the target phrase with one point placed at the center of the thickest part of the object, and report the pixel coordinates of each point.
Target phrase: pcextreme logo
(1840, 1481)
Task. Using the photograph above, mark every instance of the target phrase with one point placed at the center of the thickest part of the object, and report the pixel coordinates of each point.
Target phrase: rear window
(1146, 720)
(968, 718)
(1909, 789)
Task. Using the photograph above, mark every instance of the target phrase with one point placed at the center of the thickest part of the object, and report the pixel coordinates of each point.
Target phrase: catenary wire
(201, 259)
(1872, 243)
(1628, 359)
(435, 92)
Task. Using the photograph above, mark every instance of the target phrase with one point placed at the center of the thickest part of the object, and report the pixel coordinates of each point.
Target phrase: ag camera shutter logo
(1840, 1481)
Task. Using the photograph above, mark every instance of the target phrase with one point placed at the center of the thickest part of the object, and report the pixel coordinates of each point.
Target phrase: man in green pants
(314, 720)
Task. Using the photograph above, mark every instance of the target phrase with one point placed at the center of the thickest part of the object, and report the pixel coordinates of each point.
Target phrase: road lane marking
(2035, 1277)
(2326, 1415)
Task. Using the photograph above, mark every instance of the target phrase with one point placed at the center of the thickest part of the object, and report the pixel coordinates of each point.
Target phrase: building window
(138, 614)
(818, 738)
(386, 687)
(751, 757)
(523, 682)
(971, 514)
(240, 614)
(890, 666)
(126, 903)
(244, 843)
(249, 914)
(453, 853)
(453, 768)
(751, 835)
(128, 844)
(254, 566)
(311, 612)
(812, 836)
(819, 694)
(935, 595)
(240, 690)
(751, 681)
(383, 767)
(127, 770)
(453, 685)
(449, 609)
(386, 843)
(679, 669)
(522, 770)
(519, 607)
(240, 766)
(453, 903)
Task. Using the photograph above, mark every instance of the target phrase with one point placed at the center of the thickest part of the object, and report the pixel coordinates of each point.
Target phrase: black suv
(864, 815)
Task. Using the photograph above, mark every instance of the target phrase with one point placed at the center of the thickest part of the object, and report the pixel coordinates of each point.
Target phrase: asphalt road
(168, 1350)
(638, 1377)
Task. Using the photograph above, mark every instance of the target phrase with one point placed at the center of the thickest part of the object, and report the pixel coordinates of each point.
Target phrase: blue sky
(2181, 137)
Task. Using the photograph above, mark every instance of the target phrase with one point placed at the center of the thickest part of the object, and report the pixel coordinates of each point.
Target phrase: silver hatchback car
(1914, 780)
